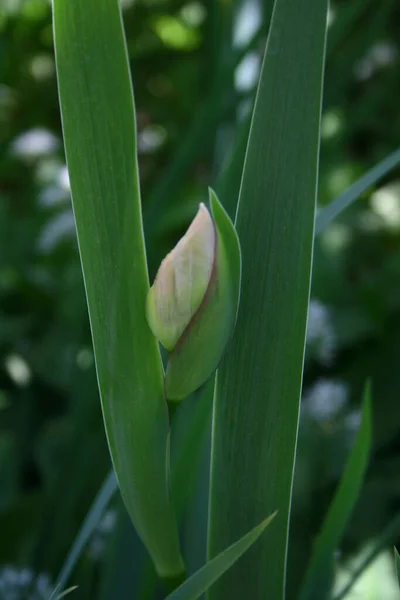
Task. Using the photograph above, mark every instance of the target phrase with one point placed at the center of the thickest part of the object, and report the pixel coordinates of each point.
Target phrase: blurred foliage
(194, 66)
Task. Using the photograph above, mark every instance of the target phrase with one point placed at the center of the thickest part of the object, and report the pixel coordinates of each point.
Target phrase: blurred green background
(195, 65)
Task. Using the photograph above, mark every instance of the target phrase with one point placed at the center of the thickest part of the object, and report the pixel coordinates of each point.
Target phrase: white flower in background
(383, 53)
(42, 66)
(60, 226)
(56, 189)
(324, 400)
(385, 203)
(18, 369)
(20, 583)
(332, 124)
(193, 13)
(35, 143)
(52, 196)
(248, 20)
(379, 56)
(151, 138)
(320, 334)
(63, 178)
(99, 539)
(247, 72)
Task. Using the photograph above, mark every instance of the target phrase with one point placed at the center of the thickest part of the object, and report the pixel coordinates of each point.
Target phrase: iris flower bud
(192, 306)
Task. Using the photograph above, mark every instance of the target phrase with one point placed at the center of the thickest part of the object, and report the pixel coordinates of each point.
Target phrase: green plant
(257, 392)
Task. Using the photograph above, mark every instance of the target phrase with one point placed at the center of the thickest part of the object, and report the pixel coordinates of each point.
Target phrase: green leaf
(259, 381)
(198, 583)
(397, 563)
(100, 141)
(340, 509)
(190, 428)
(337, 206)
(124, 562)
(90, 523)
(66, 592)
(231, 246)
(63, 594)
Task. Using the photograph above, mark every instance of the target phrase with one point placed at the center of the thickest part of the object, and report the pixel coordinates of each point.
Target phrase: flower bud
(192, 306)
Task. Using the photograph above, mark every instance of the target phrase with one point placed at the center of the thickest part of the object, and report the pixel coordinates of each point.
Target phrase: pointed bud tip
(182, 281)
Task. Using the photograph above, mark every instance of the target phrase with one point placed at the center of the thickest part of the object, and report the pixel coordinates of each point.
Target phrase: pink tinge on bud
(182, 281)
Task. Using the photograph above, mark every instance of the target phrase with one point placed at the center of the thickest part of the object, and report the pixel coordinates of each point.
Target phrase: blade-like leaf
(63, 594)
(258, 384)
(330, 212)
(228, 183)
(90, 523)
(66, 592)
(198, 583)
(397, 564)
(100, 140)
(340, 509)
(190, 428)
(189, 432)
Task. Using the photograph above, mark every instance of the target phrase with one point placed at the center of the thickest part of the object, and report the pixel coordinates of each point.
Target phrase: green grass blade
(258, 384)
(330, 212)
(340, 509)
(100, 141)
(198, 583)
(397, 563)
(188, 433)
(54, 592)
(66, 592)
(388, 536)
(63, 594)
(90, 523)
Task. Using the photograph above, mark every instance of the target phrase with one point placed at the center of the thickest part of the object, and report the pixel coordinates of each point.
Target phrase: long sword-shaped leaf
(66, 592)
(340, 510)
(198, 583)
(189, 430)
(343, 201)
(100, 140)
(258, 384)
(90, 523)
